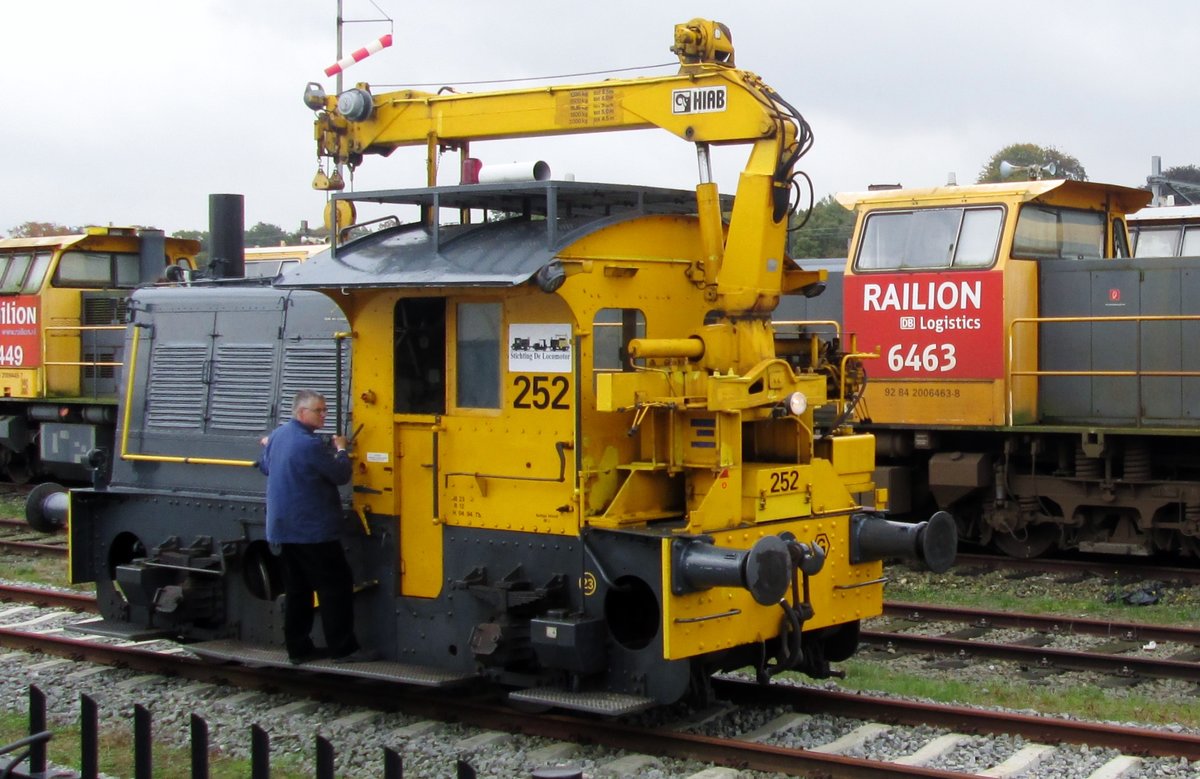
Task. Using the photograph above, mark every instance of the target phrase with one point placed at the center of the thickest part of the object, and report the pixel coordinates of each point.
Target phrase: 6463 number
(933, 358)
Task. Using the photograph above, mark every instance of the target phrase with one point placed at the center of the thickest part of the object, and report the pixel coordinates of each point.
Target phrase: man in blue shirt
(304, 517)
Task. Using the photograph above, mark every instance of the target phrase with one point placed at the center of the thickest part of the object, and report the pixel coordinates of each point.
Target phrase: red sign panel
(20, 332)
(929, 325)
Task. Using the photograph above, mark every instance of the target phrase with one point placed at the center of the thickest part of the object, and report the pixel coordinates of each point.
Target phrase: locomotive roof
(1166, 213)
(1128, 198)
(551, 215)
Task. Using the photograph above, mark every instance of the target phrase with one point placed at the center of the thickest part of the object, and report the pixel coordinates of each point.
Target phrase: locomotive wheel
(1034, 541)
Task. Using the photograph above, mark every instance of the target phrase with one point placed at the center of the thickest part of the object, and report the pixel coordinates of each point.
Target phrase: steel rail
(1043, 623)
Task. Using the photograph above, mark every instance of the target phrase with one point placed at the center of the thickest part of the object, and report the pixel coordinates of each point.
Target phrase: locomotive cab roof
(1126, 199)
(548, 216)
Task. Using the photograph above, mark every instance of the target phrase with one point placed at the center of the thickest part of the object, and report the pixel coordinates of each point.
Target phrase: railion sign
(929, 325)
(20, 332)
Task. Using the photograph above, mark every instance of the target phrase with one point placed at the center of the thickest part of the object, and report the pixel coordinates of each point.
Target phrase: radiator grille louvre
(176, 396)
(104, 311)
(243, 378)
(309, 366)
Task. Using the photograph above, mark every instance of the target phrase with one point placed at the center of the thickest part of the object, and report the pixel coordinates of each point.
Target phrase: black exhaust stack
(152, 255)
(226, 236)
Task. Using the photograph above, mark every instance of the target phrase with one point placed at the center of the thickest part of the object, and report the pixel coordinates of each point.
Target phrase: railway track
(782, 728)
(1123, 569)
(17, 536)
(1121, 649)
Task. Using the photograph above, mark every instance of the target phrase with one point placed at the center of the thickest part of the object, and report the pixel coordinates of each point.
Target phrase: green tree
(263, 234)
(826, 233)
(196, 235)
(1024, 155)
(40, 230)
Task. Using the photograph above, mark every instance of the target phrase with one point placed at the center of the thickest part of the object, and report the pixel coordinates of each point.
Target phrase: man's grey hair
(305, 397)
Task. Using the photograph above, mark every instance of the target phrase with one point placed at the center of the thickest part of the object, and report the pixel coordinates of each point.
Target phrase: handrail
(45, 381)
(157, 458)
(1137, 372)
(837, 326)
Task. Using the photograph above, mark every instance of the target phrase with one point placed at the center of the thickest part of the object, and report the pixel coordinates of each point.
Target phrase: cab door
(419, 365)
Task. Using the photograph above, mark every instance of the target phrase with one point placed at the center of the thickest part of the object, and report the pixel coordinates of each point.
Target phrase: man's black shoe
(357, 656)
(308, 657)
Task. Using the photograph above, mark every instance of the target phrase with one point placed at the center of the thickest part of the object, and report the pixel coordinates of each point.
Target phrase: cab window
(419, 356)
(1191, 242)
(37, 274)
(932, 238)
(1156, 241)
(612, 330)
(23, 271)
(13, 268)
(1049, 233)
(478, 355)
(97, 270)
(1120, 245)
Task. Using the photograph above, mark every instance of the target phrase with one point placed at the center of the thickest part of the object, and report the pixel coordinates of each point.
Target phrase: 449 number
(934, 358)
(12, 355)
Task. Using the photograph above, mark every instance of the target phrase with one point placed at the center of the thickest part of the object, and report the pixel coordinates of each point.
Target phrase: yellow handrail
(44, 380)
(157, 458)
(1136, 373)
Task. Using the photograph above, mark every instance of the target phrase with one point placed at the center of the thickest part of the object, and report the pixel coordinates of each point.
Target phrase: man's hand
(339, 442)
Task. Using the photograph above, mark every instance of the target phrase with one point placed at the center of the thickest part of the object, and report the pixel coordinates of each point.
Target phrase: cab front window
(930, 238)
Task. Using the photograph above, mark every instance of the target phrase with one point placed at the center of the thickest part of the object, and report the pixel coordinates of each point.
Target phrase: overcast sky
(133, 111)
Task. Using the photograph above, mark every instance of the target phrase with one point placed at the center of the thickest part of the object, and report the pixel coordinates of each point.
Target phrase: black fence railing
(26, 758)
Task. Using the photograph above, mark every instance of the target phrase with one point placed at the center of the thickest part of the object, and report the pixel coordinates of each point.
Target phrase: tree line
(824, 231)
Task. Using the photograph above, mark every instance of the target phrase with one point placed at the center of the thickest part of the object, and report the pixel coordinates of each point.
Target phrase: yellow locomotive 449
(63, 301)
(587, 467)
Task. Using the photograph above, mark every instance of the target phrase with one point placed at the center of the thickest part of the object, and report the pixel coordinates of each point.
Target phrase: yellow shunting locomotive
(63, 302)
(587, 467)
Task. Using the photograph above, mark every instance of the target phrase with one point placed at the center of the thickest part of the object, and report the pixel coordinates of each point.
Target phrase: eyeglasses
(319, 410)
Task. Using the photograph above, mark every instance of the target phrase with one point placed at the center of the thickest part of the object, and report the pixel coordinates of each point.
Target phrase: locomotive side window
(478, 355)
(1046, 233)
(930, 238)
(612, 331)
(1156, 241)
(419, 359)
(1120, 244)
(1191, 242)
(97, 269)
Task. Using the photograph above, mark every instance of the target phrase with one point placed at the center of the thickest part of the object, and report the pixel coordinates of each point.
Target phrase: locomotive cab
(561, 467)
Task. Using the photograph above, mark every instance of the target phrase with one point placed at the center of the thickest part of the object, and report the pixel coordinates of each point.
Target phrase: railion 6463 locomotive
(1034, 377)
(583, 467)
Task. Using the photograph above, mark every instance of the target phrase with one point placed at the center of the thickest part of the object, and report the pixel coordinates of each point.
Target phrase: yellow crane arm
(708, 101)
(716, 106)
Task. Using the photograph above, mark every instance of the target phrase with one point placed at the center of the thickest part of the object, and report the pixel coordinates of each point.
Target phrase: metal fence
(26, 758)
